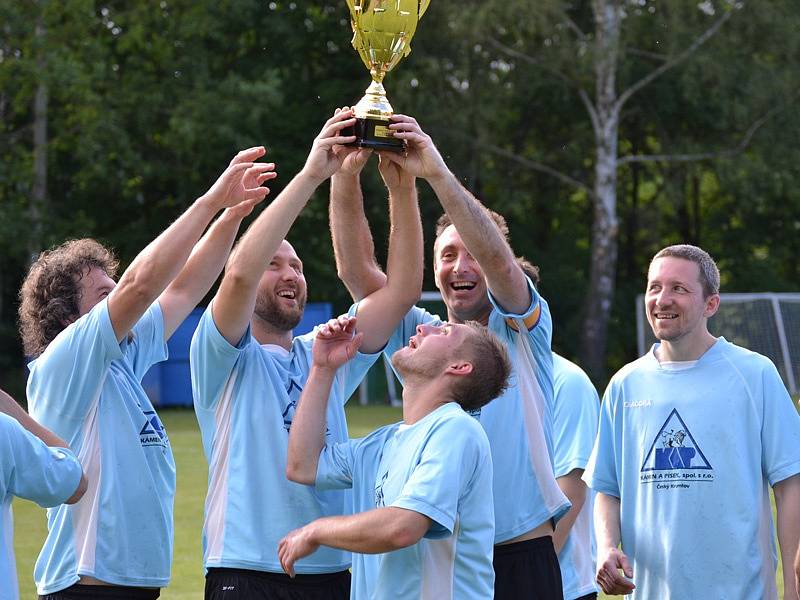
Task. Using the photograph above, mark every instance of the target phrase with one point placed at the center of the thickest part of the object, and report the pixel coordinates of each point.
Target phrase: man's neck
(685, 348)
(482, 317)
(266, 334)
(422, 398)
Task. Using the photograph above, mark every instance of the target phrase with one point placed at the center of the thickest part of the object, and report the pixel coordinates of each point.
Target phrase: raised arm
(787, 508)
(334, 345)
(352, 240)
(610, 559)
(372, 532)
(380, 312)
(481, 236)
(234, 303)
(204, 265)
(161, 261)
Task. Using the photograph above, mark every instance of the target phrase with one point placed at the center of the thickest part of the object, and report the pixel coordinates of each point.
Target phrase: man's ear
(462, 367)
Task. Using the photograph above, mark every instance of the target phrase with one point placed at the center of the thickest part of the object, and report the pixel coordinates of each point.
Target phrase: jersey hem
(274, 568)
(531, 524)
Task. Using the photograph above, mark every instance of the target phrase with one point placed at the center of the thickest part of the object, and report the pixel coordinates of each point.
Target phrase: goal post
(767, 323)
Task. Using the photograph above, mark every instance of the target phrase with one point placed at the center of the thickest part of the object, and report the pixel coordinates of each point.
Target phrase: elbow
(296, 473)
(405, 533)
(83, 485)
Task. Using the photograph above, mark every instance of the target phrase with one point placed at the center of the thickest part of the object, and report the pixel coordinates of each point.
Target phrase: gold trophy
(382, 32)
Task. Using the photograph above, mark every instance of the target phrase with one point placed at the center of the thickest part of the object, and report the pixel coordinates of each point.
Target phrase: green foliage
(149, 101)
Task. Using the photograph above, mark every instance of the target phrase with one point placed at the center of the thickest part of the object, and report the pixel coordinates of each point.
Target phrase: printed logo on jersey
(153, 432)
(675, 460)
(293, 391)
(379, 491)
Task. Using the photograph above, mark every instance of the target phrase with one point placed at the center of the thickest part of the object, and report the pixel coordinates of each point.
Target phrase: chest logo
(674, 458)
(153, 432)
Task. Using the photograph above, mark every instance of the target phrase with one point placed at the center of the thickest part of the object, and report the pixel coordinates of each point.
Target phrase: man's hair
(530, 269)
(709, 273)
(50, 295)
(444, 222)
(491, 369)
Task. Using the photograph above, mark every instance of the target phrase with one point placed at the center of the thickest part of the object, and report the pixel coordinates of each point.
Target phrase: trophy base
(375, 134)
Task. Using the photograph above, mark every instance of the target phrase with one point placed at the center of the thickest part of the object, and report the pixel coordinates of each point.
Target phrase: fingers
(353, 346)
(625, 565)
(249, 155)
(611, 580)
(285, 557)
(339, 326)
(258, 194)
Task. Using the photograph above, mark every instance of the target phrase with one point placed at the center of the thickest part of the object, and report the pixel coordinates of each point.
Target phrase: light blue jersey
(245, 398)
(31, 470)
(518, 423)
(439, 467)
(691, 453)
(86, 388)
(577, 407)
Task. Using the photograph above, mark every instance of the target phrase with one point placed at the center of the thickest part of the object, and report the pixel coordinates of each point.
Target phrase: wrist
(208, 205)
(306, 176)
(440, 177)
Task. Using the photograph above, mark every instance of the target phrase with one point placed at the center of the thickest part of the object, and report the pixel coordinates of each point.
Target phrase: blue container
(169, 383)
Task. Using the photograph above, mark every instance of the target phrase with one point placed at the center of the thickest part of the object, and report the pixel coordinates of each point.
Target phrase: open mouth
(288, 294)
(460, 286)
(412, 342)
(665, 316)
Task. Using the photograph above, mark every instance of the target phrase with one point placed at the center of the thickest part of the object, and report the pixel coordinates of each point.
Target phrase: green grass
(30, 526)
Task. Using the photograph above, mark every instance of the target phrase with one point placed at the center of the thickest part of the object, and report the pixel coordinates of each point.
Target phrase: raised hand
(296, 545)
(327, 152)
(609, 577)
(336, 343)
(421, 159)
(241, 182)
(393, 174)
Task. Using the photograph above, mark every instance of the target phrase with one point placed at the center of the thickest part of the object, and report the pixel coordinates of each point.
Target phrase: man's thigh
(243, 584)
(527, 571)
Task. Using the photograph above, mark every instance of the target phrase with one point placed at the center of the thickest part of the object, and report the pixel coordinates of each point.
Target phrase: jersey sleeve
(335, 466)
(211, 360)
(446, 468)
(147, 346)
(780, 430)
(47, 476)
(602, 472)
(576, 411)
(67, 378)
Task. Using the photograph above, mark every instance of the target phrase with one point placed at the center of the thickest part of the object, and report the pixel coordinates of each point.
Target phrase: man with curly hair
(92, 340)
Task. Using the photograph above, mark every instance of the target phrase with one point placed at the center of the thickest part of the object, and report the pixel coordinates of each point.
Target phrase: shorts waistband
(120, 592)
(539, 544)
(279, 577)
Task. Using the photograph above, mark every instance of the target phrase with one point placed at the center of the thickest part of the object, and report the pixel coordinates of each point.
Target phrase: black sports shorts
(103, 592)
(527, 571)
(244, 584)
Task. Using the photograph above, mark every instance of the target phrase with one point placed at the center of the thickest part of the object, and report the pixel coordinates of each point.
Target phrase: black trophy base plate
(375, 134)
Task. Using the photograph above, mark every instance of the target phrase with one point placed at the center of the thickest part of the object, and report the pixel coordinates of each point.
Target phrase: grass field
(187, 572)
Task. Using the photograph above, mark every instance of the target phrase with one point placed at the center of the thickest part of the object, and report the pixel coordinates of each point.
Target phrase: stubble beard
(269, 310)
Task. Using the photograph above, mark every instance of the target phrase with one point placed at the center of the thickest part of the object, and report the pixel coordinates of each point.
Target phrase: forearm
(307, 434)
(200, 271)
(606, 521)
(353, 246)
(264, 236)
(380, 312)
(372, 532)
(787, 504)
(10, 407)
(473, 222)
(575, 490)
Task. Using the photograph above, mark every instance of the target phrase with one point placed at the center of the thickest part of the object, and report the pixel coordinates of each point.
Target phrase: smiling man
(480, 279)
(691, 437)
(248, 372)
(93, 339)
(422, 527)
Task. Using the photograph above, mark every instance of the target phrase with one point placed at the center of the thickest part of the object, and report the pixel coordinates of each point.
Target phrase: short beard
(268, 310)
(410, 366)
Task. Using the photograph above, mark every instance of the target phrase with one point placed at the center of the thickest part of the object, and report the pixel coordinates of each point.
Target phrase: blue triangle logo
(674, 447)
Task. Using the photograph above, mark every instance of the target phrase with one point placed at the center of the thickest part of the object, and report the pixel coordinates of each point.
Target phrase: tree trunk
(37, 208)
(603, 267)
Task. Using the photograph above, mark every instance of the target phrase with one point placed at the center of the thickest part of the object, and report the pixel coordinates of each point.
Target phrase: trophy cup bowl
(382, 32)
